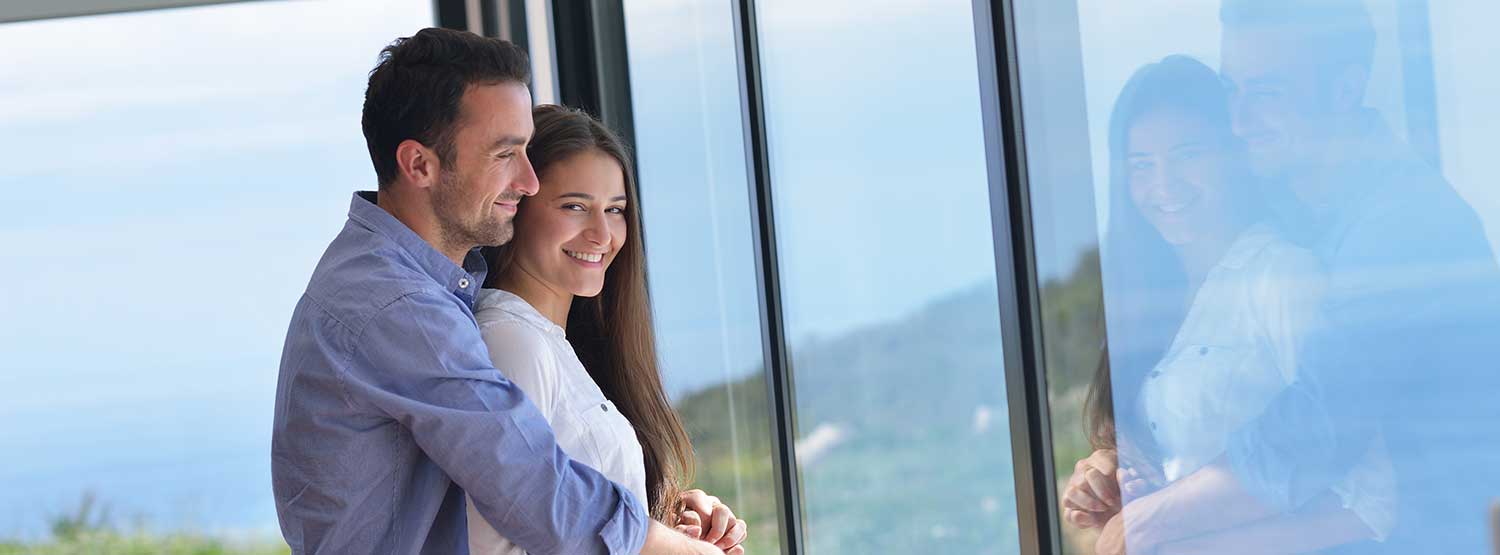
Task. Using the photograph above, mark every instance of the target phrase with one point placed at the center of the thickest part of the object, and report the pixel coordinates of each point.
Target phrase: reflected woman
(1207, 304)
(566, 315)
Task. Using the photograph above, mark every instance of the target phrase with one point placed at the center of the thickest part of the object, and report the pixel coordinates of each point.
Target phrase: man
(1407, 353)
(387, 408)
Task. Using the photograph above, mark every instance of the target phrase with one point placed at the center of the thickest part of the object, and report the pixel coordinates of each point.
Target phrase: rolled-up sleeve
(421, 361)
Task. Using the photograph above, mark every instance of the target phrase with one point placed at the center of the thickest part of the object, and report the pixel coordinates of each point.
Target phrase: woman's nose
(597, 231)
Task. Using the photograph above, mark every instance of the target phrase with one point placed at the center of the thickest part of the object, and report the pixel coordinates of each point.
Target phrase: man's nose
(1239, 115)
(527, 182)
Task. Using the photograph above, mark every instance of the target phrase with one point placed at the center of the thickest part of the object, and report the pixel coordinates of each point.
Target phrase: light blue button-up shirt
(388, 411)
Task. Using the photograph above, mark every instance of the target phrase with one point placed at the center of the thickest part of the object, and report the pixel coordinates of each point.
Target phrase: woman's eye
(616, 210)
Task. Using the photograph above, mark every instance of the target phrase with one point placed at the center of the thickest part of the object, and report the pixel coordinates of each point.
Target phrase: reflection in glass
(1303, 312)
(700, 254)
(175, 176)
(887, 273)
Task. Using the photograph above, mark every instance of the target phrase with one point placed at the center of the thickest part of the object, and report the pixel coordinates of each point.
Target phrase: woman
(566, 316)
(1206, 305)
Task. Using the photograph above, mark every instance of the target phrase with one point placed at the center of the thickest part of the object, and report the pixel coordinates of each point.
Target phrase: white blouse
(533, 352)
(1236, 350)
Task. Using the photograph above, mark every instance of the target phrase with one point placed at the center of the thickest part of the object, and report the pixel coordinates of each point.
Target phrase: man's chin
(498, 235)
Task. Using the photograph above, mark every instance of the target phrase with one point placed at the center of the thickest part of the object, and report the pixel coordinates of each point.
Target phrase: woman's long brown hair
(612, 332)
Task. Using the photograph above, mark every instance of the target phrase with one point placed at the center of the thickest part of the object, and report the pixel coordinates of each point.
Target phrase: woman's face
(570, 231)
(1180, 174)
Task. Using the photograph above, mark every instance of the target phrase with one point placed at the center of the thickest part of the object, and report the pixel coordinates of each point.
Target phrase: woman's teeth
(585, 256)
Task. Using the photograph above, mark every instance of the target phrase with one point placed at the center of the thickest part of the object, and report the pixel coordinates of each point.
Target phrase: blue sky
(174, 176)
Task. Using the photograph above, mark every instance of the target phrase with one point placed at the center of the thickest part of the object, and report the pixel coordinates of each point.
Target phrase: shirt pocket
(600, 421)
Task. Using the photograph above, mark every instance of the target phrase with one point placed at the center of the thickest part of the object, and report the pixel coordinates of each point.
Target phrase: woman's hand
(1093, 495)
(704, 517)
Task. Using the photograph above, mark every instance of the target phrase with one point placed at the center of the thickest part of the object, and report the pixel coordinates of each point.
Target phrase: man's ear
(1349, 87)
(418, 164)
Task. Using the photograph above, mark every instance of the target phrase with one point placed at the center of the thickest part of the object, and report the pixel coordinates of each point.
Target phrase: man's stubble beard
(455, 224)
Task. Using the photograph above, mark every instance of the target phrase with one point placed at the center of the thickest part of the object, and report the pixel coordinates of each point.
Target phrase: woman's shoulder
(1264, 251)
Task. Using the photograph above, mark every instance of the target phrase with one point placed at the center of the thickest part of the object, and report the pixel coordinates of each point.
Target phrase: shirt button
(604, 406)
(1202, 351)
(1153, 426)
(463, 283)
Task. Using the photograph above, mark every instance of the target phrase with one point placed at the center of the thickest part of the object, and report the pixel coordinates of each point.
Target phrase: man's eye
(573, 206)
(506, 155)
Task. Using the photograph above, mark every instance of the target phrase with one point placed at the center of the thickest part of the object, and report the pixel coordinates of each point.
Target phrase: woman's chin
(588, 291)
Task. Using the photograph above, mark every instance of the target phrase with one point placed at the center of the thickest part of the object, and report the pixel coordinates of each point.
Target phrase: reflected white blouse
(533, 352)
(1236, 350)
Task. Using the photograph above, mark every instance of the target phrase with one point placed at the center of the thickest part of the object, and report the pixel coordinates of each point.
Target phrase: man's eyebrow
(508, 140)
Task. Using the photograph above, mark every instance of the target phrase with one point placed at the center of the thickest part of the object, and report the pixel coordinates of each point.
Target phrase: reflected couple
(1212, 303)
(1303, 314)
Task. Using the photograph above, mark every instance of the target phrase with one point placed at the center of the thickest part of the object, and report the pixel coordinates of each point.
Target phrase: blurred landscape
(903, 436)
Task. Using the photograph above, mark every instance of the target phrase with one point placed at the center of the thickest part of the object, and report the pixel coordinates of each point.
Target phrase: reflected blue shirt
(1408, 350)
(388, 411)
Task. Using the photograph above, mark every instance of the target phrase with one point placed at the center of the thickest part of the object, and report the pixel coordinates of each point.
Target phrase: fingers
(1083, 498)
(1104, 487)
(1084, 519)
(690, 530)
(698, 500)
(719, 524)
(734, 536)
(1105, 460)
(736, 550)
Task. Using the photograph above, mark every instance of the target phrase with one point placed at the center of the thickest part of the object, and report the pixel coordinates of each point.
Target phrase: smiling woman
(566, 315)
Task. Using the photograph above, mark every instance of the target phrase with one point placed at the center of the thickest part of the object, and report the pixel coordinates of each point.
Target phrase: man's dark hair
(1339, 29)
(417, 89)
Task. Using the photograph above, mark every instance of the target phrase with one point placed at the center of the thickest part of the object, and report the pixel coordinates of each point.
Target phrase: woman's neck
(1200, 256)
(547, 299)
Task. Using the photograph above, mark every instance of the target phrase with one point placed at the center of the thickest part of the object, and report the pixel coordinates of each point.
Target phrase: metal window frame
(779, 382)
(1016, 276)
(1011, 224)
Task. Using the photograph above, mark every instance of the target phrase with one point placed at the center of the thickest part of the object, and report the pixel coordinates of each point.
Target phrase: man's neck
(420, 219)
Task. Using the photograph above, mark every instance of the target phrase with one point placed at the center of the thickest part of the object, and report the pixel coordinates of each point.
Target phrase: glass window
(172, 178)
(1293, 264)
(697, 214)
(887, 269)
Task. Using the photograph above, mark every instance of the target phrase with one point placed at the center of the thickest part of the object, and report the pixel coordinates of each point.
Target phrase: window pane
(1293, 255)
(173, 176)
(696, 208)
(887, 268)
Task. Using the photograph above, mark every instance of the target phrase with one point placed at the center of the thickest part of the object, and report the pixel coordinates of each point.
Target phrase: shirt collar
(514, 305)
(463, 282)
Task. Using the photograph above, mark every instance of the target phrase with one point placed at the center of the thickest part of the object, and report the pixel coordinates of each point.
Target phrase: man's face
(1279, 103)
(476, 199)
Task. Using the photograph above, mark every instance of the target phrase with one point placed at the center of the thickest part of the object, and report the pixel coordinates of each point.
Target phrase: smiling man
(388, 411)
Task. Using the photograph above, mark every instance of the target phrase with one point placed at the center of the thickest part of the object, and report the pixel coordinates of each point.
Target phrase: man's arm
(421, 361)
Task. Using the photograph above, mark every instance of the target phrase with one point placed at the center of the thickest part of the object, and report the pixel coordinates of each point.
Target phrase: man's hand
(704, 517)
(1093, 494)
(1111, 537)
